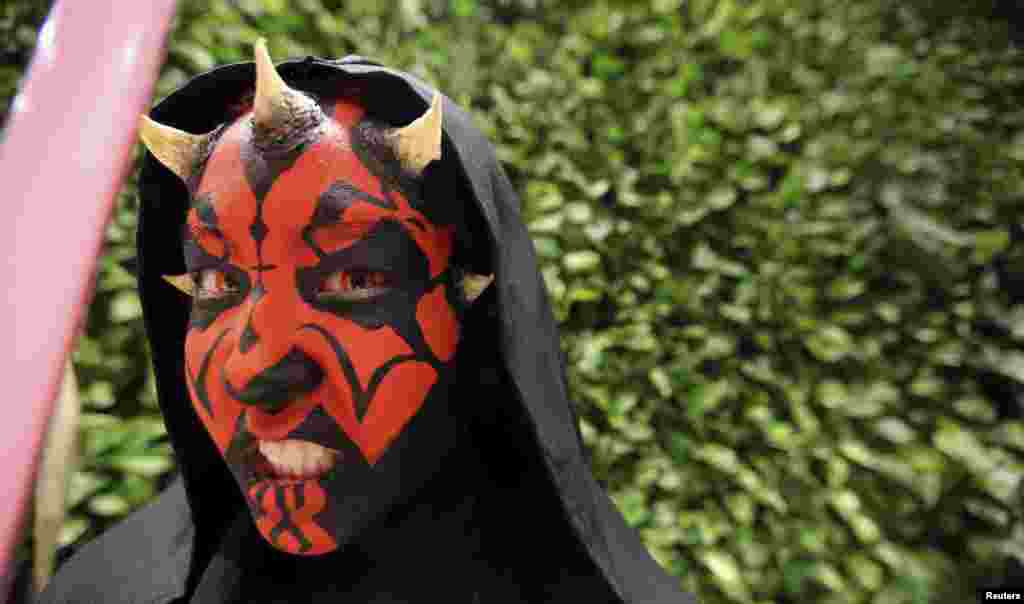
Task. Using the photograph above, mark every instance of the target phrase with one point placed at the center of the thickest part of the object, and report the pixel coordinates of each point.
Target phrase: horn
(473, 285)
(183, 283)
(278, 110)
(419, 143)
(180, 151)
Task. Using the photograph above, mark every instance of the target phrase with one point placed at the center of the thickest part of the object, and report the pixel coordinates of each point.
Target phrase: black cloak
(516, 516)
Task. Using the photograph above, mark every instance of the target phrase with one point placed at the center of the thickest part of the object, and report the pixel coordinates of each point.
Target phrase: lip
(258, 468)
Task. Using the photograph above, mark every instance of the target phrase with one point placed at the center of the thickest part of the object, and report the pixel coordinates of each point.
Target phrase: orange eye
(359, 284)
(212, 283)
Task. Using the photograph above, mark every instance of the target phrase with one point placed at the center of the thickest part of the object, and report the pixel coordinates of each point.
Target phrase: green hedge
(784, 241)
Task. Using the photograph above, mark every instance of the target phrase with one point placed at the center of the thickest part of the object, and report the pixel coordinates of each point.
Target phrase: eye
(355, 285)
(213, 283)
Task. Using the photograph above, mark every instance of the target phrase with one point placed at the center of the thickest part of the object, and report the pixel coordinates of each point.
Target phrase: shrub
(784, 242)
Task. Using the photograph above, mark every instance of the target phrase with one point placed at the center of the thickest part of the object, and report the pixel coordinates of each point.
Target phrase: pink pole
(66, 150)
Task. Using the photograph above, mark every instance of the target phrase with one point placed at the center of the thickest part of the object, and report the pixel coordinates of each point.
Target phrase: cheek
(399, 397)
(377, 383)
(353, 372)
(366, 349)
(205, 355)
(440, 326)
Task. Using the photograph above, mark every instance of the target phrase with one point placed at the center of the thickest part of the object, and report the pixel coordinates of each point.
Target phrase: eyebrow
(339, 197)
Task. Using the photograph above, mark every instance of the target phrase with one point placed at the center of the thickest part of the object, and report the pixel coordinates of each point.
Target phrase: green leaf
(71, 530)
(98, 442)
(464, 8)
(962, 445)
(830, 343)
(547, 247)
(99, 395)
(125, 307)
(726, 573)
(659, 378)
(1010, 434)
(866, 571)
(721, 198)
(579, 213)
(833, 394)
(83, 484)
(142, 465)
(634, 507)
(581, 261)
(108, 505)
(608, 67)
(680, 448)
(718, 457)
(135, 489)
(795, 574)
(987, 244)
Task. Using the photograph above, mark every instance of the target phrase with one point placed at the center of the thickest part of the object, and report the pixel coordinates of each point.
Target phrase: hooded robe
(514, 513)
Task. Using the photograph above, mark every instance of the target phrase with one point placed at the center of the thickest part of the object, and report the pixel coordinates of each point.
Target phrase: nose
(273, 388)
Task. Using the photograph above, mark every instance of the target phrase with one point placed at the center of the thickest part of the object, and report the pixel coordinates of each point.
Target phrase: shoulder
(143, 559)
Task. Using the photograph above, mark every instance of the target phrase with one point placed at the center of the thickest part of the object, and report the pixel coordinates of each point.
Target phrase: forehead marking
(373, 183)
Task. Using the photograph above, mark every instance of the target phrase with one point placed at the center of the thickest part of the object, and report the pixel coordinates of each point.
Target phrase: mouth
(291, 459)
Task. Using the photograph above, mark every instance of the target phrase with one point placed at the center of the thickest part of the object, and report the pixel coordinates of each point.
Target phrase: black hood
(515, 315)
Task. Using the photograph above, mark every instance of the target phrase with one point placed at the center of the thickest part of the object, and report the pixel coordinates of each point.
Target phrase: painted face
(323, 329)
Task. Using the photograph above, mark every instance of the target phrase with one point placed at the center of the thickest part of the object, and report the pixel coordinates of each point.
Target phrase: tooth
(298, 459)
(304, 457)
(293, 456)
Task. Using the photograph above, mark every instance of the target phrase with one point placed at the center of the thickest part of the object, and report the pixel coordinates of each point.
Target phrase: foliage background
(784, 240)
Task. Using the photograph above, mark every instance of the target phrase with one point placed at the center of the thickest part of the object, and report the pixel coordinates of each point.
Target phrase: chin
(311, 509)
(286, 512)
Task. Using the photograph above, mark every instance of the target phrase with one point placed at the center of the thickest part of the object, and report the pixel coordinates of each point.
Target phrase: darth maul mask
(326, 308)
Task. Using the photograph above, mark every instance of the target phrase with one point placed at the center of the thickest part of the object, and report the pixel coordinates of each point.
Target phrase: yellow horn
(183, 283)
(176, 149)
(419, 143)
(473, 285)
(278, 110)
(271, 102)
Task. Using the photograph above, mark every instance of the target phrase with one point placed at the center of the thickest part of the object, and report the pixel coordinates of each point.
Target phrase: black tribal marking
(199, 384)
(258, 291)
(339, 197)
(319, 427)
(261, 492)
(360, 397)
(331, 206)
(258, 230)
(242, 443)
(378, 156)
(207, 216)
(286, 523)
(261, 170)
(387, 247)
(248, 339)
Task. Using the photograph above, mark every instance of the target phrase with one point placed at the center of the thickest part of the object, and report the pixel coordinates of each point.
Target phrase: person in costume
(354, 420)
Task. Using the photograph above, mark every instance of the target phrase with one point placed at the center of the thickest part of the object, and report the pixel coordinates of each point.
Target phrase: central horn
(281, 115)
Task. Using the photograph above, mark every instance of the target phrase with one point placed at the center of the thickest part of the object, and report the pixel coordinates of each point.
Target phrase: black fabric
(525, 522)
(430, 549)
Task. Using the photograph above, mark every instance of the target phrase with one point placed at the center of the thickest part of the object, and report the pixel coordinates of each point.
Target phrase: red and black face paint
(324, 325)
